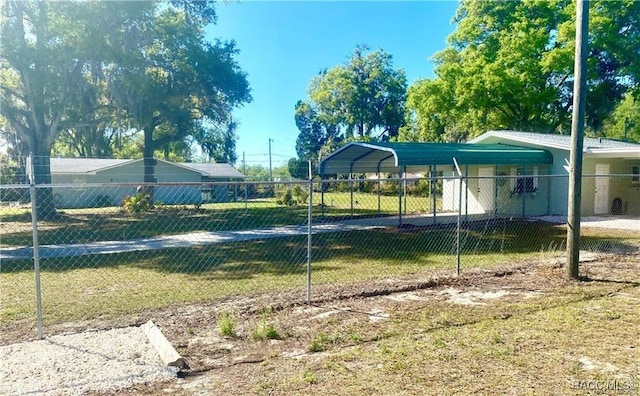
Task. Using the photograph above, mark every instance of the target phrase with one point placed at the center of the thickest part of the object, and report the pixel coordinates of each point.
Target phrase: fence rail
(98, 256)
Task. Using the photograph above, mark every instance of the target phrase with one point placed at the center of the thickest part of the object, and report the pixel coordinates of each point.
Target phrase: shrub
(300, 195)
(421, 188)
(389, 187)
(137, 203)
(289, 196)
(265, 330)
(319, 343)
(227, 324)
(284, 196)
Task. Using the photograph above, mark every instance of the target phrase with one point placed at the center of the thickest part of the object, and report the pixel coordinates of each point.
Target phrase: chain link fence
(113, 249)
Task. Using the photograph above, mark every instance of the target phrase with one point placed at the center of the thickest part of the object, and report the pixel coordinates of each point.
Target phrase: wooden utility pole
(577, 134)
(270, 168)
(244, 165)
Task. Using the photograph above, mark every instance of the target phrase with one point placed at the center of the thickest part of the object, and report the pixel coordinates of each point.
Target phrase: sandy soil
(113, 357)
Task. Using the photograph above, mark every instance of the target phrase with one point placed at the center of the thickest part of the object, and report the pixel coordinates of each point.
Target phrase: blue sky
(284, 44)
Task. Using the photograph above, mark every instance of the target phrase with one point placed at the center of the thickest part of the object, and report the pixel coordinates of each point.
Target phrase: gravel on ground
(75, 364)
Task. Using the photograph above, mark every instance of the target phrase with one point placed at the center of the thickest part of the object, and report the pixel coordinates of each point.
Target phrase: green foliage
(290, 196)
(255, 172)
(624, 122)
(218, 142)
(10, 173)
(362, 99)
(172, 87)
(298, 169)
(284, 195)
(300, 195)
(138, 203)
(86, 77)
(55, 58)
(259, 172)
(309, 377)
(389, 188)
(510, 66)
(314, 133)
(227, 324)
(281, 172)
(365, 96)
(421, 188)
(319, 343)
(265, 330)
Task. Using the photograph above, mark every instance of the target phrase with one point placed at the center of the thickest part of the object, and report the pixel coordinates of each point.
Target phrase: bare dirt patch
(407, 335)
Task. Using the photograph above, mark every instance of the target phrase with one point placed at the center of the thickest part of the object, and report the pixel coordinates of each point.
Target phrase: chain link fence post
(36, 246)
(309, 233)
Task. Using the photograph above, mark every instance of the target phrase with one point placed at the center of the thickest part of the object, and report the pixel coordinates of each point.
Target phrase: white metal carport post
(400, 172)
(495, 191)
(351, 188)
(466, 192)
(433, 190)
(455, 162)
(524, 191)
(379, 192)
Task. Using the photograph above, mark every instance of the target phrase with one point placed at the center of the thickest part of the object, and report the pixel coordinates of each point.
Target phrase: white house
(89, 182)
(602, 193)
(507, 173)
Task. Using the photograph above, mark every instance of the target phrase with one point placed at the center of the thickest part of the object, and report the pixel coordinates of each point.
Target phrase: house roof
(94, 165)
(218, 170)
(391, 157)
(562, 142)
(83, 165)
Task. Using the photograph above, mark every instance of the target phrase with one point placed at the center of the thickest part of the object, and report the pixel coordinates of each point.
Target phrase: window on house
(523, 183)
(635, 174)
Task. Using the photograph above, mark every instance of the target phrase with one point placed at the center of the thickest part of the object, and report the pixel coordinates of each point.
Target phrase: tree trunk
(149, 163)
(45, 205)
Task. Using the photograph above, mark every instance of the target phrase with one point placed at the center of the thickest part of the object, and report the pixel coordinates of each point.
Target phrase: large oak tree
(362, 99)
(365, 97)
(69, 66)
(52, 54)
(176, 83)
(509, 65)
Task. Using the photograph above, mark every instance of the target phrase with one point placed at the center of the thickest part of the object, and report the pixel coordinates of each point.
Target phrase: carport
(403, 157)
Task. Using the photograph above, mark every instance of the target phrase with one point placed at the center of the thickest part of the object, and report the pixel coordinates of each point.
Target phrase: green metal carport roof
(394, 157)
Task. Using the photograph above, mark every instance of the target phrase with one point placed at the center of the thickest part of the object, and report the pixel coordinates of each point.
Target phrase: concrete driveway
(611, 222)
(215, 237)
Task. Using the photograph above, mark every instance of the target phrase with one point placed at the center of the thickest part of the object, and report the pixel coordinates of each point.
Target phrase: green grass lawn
(111, 223)
(104, 285)
(372, 203)
(541, 345)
